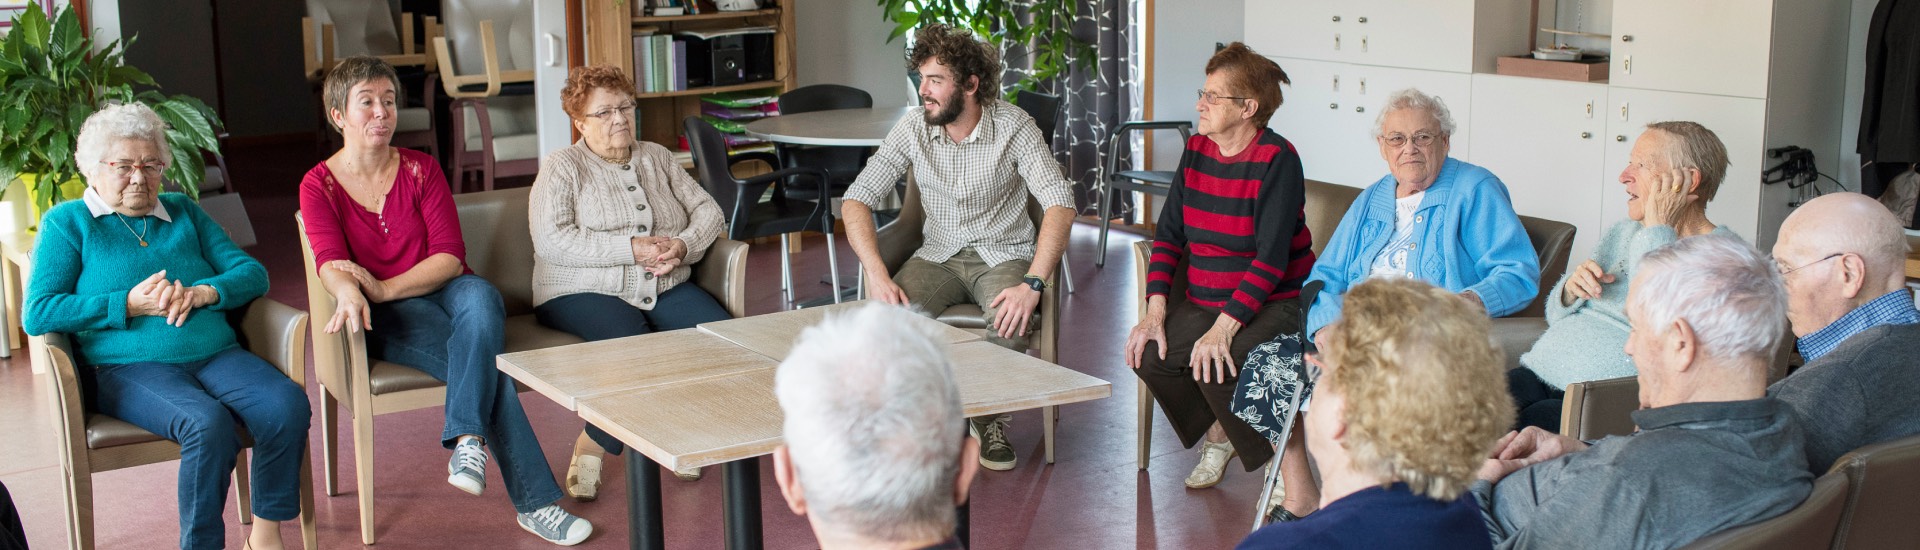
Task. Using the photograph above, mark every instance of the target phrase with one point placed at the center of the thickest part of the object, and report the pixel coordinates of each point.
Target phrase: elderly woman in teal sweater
(140, 280)
(1674, 169)
(1432, 218)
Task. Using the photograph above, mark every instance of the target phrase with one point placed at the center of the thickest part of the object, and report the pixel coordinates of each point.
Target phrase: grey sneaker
(468, 467)
(995, 453)
(556, 525)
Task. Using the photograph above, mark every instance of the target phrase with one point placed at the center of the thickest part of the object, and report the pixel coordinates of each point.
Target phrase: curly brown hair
(1425, 388)
(960, 50)
(352, 72)
(582, 81)
(1251, 75)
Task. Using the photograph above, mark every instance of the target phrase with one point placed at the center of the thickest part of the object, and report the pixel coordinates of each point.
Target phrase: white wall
(845, 42)
(1184, 32)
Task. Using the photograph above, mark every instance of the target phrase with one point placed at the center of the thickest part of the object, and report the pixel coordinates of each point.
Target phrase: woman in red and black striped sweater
(1235, 217)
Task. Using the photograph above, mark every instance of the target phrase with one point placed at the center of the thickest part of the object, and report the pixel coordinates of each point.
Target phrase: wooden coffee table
(698, 397)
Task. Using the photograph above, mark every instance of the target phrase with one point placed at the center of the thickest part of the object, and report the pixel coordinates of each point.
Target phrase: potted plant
(1042, 30)
(51, 79)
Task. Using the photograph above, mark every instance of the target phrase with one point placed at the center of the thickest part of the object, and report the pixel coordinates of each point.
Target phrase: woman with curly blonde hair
(1408, 403)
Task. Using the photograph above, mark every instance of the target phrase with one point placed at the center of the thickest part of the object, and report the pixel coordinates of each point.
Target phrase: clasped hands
(158, 297)
(1525, 448)
(658, 255)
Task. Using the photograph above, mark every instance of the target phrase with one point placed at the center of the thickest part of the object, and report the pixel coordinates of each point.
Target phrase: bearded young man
(976, 160)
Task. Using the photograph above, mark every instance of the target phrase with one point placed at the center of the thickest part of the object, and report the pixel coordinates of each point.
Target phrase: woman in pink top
(386, 240)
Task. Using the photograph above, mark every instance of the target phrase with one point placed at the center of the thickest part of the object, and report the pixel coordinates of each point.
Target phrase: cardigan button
(646, 300)
(643, 229)
(630, 188)
(643, 207)
(647, 275)
(626, 167)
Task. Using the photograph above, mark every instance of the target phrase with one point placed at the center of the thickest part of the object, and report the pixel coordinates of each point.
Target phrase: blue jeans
(454, 334)
(594, 317)
(199, 405)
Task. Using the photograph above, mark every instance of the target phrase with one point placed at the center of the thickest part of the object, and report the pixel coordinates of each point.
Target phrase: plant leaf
(32, 24)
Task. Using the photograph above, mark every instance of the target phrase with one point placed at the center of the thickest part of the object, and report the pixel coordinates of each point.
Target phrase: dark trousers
(1193, 406)
(1538, 404)
(12, 535)
(594, 317)
(200, 405)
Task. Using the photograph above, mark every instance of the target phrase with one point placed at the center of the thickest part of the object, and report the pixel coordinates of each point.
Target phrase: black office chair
(1045, 110)
(747, 216)
(1113, 179)
(842, 164)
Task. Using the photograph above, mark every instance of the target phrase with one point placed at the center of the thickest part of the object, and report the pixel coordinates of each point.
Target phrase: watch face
(1037, 284)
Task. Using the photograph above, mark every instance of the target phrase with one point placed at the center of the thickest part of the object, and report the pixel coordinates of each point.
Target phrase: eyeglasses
(606, 115)
(1784, 270)
(1396, 141)
(125, 170)
(1213, 98)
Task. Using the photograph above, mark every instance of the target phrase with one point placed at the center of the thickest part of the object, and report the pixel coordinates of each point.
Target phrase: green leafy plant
(1041, 30)
(51, 79)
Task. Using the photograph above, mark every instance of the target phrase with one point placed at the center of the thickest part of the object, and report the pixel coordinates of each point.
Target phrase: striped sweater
(1240, 225)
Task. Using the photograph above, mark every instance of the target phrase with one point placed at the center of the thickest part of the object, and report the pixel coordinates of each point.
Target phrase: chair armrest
(69, 408)
(723, 274)
(769, 158)
(899, 239)
(1600, 408)
(278, 333)
(1516, 335)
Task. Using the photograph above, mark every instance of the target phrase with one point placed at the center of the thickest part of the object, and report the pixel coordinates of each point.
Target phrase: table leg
(743, 504)
(645, 524)
(961, 525)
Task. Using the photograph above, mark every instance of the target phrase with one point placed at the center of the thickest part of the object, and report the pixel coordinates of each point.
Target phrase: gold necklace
(145, 224)
(621, 160)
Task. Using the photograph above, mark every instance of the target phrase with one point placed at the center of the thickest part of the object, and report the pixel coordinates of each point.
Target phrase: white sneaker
(467, 470)
(1213, 465)
(556, 525)
(583, 478)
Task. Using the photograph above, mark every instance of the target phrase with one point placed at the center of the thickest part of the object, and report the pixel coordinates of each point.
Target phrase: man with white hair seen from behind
(1843, 257)
(876, 453)
(1713, 450)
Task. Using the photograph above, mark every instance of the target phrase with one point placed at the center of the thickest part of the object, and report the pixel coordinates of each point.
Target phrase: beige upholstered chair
(898, 241)
(499, 249)
(495, 132)
(1812, 524)
(1325, 204)
(91, 442)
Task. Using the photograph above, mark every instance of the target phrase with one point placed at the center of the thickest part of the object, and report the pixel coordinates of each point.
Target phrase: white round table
(839, 127)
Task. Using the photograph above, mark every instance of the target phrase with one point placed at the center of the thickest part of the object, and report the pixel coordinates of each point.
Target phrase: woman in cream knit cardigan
(615, 224)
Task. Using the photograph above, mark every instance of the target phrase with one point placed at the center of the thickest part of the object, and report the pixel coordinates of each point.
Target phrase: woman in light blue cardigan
(1674, 169)
(1433, 218)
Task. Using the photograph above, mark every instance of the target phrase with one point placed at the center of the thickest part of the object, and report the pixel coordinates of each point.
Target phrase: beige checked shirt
(972, 190)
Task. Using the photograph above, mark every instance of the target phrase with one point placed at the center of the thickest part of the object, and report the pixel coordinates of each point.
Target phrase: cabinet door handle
(1336, 19)
(1589, 109)
(1363, 44)
(1623, 112)
(1333, 105)
(1359, 109)
(1336, 83)
(1627, 64)
(1363, 19)
(1363, 86)
(1622, 139)
(1626, 38)
(1586, 135)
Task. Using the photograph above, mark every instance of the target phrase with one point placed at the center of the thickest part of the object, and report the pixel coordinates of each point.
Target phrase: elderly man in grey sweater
(1843, 256)
(1713, 451)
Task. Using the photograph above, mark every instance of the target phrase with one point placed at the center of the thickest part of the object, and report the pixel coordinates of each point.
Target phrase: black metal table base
(742, 500)
(645, 524)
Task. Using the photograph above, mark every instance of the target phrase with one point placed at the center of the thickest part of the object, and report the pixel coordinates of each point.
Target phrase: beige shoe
(583, 478)
(1213, 465)
(690, 474)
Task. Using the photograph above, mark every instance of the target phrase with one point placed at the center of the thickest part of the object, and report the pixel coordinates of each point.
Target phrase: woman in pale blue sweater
(140, 282)
(1675, 168)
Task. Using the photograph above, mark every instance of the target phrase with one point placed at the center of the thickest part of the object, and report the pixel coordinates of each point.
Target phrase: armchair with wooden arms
(91, 442)
(499, 249)
(898, 241)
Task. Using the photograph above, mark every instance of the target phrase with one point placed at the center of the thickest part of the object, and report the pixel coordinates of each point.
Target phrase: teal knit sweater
(1586, 340)
(83, 267)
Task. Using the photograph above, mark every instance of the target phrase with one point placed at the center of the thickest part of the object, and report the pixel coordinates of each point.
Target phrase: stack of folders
(659, 62)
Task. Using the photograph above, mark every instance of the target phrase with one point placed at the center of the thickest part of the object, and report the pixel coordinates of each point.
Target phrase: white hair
(1730, 295)
(1413, 98)
(118, 121)
(874, 423)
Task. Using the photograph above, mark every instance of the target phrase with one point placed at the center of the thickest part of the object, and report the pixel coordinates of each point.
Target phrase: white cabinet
(1439, 35)
(1331, 110)
(1546, 139)
(1702, 46)
(1739, 122)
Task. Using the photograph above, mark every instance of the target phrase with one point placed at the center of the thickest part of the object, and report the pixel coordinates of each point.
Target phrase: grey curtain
(1095, 101)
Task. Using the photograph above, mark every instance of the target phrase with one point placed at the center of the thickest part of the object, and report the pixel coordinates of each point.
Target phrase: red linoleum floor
(1093, 497)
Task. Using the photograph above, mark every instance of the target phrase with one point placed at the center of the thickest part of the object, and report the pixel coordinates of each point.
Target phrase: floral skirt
(1275, 382)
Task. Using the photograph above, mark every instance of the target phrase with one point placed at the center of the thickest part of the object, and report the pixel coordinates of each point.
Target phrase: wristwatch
(1035, 282)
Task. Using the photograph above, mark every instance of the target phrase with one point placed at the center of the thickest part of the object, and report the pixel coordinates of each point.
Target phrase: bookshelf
(608, 28)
